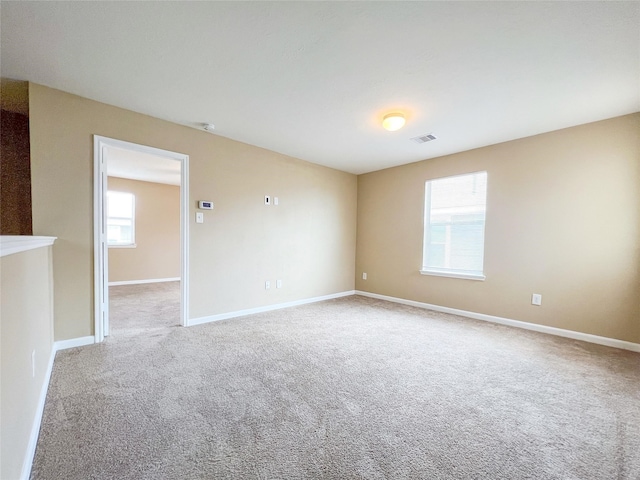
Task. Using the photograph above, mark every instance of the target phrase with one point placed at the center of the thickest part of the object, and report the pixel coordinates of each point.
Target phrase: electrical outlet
(536, 299)
(364, 275)
(267, 285)
(278, 283)
(275, 201)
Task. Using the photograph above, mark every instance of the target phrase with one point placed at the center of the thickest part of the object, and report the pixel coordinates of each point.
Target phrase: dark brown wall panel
(15, 175)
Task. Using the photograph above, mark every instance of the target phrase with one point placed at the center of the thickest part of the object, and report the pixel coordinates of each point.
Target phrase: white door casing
(101, 251)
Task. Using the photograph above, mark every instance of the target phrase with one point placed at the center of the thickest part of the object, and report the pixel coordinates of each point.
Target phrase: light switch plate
(199, 217)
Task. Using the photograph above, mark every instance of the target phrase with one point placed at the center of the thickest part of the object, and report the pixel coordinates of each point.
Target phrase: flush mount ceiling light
(393, 121)
(209, 127)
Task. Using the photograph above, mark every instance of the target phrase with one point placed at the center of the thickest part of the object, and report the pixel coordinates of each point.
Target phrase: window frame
(447, 272)
(131, 244)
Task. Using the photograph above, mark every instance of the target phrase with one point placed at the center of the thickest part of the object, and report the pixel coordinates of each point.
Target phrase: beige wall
(157, 233)
(563, 220)
(308, 240)
(26, 324)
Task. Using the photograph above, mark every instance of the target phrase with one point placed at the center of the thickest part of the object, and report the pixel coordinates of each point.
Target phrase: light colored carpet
(344, 389)
(144, 308)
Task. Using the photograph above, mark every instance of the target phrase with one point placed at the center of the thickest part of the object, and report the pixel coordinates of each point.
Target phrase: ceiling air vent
(424, 138)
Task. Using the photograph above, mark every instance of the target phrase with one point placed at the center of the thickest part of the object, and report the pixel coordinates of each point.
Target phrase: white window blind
(455, 210)
(120, 219)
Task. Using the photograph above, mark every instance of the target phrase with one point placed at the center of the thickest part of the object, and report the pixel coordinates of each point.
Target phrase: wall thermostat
(205, 205)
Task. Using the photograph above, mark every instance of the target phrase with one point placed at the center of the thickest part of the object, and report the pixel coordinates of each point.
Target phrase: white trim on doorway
(101, 283)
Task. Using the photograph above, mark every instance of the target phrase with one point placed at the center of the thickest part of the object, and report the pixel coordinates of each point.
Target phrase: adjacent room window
(121, 208)
(454, 217)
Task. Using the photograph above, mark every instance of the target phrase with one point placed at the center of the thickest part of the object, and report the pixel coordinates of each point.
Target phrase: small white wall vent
(424, 138)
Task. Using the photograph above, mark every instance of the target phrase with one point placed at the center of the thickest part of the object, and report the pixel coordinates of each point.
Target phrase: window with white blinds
(121, 208)
(454, 217)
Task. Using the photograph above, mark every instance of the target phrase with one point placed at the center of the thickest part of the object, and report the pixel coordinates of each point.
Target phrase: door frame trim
(101, 287)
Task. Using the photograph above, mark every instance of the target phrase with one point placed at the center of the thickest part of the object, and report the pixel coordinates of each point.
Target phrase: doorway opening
(140, 237)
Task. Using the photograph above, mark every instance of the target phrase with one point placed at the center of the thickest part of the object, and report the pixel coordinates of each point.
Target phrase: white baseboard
(266, 308)
(151, 280)
(585, 337)
(73, 342)
(37, 420)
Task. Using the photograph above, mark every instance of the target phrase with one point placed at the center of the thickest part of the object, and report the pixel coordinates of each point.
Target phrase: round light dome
(393, 121)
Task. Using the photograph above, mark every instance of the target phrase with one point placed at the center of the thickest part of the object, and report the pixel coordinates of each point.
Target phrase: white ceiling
(142, 166)
(313, 79)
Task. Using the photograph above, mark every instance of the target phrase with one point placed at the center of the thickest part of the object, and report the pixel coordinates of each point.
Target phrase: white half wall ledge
(138, 282)
(559, 332)
(267, 308)
(10, 244)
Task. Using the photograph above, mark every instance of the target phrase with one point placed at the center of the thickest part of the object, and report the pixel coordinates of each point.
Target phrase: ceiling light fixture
(209, 127)
(393, 121)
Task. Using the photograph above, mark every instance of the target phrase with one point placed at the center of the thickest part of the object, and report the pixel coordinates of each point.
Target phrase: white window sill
(133, 245)
(466, 276)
